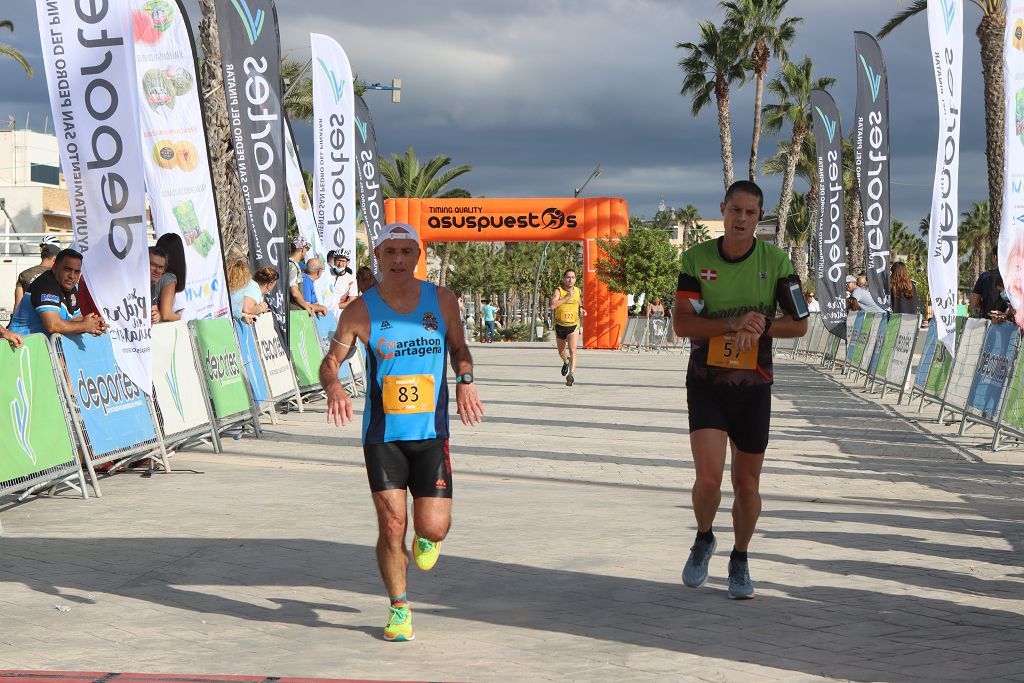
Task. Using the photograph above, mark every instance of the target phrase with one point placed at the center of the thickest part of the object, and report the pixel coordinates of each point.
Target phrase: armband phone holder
(790, 297)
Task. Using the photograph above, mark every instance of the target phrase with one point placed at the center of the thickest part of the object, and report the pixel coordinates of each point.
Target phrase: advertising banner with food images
(177, 163)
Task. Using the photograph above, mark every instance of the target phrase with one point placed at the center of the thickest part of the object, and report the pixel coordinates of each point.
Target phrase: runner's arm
(686, 322)
(784, 327)
(471, 410)
(353, 326)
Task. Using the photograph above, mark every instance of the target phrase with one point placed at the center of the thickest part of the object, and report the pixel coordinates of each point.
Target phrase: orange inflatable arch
(531, 220)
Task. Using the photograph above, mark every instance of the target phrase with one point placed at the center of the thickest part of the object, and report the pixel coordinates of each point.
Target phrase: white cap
(397, 231)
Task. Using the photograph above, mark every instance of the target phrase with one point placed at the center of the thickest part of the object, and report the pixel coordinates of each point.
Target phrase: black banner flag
(831, 228)
(371, 196)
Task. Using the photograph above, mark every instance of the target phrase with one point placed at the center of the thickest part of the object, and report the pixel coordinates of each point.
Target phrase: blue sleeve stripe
(55, 309)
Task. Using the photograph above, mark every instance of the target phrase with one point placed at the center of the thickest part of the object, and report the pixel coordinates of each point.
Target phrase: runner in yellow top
(567, 303)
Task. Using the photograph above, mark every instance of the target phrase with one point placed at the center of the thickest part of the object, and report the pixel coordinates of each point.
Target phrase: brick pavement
(888, 550)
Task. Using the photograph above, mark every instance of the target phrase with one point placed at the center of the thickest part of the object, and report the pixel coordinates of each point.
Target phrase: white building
(32, 191)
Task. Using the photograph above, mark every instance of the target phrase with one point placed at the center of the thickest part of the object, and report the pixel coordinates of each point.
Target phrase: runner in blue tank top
(410, 329)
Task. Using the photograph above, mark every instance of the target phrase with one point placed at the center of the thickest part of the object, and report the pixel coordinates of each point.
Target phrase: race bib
(723, 353)
(407, 394)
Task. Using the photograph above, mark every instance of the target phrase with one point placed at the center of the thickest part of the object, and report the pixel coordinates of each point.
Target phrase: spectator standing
(298, 248)
(986, 297)
(904, 294)
(47, 255)
(337, 288)
(314, 270)
(162, 285)
(247, 297)
(50, 304)
(861, 294)
(175, 249)
(812, 304)
(365, 279)
(487, 312)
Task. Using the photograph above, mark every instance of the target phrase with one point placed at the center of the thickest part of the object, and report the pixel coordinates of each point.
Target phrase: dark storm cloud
(533, 94)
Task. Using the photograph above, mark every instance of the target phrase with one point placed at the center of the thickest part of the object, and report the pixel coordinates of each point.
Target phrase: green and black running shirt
(719, 287)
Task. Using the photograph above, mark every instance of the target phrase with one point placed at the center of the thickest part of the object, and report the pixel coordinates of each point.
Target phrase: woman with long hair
(246, 291)
(904, 294)
(172, 281)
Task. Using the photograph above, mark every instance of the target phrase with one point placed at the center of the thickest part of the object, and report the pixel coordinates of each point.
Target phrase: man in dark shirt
(47, 254)
(986, 297)
(50, 304)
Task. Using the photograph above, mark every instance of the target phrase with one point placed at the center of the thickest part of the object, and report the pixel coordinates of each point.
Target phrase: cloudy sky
(534, 93)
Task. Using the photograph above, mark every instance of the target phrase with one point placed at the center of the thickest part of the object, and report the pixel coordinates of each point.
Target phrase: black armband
(790, 297)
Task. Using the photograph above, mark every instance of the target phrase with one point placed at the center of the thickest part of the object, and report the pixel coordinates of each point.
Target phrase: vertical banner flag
(334, 173)
(251, 54)
(371, 196)
(89, 59)
(297, 194)
(1011, 231)
(872, 162)
(946, 32)
(174, 146)
(831, 228)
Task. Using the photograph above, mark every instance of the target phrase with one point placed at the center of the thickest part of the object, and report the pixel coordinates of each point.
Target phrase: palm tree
(298, 101)
(792, 87)
(8, 51)
(404, 177)
(689, 218)
(990, 34)
(798, 231)
(226, 186)
(765, 34)
(973, 235)
(710, 68)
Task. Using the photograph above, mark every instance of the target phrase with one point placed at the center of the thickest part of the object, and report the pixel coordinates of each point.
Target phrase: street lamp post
(543, 254)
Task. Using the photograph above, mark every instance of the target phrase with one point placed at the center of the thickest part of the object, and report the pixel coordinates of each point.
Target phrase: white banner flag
(89, 62)
(1011, 231)
(298, 196)
(174, 147)
(334, 175)
(946, 31)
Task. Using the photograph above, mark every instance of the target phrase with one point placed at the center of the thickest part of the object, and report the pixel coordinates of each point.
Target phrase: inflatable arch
(531, 220)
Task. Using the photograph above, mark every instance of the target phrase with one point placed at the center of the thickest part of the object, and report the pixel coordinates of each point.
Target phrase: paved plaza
(889, 548)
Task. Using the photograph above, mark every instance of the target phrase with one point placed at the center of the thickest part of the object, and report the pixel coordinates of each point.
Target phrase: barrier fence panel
(177, 382)
(855, 334)
(280, 378)
(37, 448)
(866, 343)
(306, 354)
(902, 354)
(832, 345)
(885, 346)
(997, 357)
(657, 331)
(964, 367)
(113, 416)
(224, 373)
(326, 326)
(882, 327)
(254, 368)
(1011, 414)
(924, 366)
(629, 336)
(938, 372)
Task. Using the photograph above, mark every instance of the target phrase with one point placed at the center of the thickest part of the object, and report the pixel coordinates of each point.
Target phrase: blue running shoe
(695, 572)
(740, 585)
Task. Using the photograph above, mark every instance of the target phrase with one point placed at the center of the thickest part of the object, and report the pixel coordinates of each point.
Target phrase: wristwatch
(466, 378)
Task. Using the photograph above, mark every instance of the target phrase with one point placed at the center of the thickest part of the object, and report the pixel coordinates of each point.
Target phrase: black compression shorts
(743, 412)
(422, 466)
(563, 331)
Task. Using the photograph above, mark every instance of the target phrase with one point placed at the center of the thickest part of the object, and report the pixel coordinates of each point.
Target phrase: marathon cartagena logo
(419, 347)
(252, 22)
(110, 392)
(551, 218)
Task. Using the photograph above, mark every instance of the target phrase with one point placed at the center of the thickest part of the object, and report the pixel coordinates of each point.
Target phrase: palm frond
(916, 7)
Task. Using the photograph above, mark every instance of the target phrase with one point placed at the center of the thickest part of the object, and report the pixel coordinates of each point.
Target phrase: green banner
(942, 363)
(1013, 412)
(862, 339)
(222, 366)
(305, 348)
(892, 331)
(33, 431)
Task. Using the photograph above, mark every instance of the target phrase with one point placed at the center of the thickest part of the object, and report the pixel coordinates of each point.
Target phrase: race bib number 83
(723, 353)
(407, 394)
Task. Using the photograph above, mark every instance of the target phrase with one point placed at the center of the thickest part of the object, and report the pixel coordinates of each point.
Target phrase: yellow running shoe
(399, 627)
(425, 552)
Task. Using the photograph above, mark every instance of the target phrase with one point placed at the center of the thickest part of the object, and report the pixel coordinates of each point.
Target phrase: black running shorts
(563, 331)
(743, 412)
(422, 466)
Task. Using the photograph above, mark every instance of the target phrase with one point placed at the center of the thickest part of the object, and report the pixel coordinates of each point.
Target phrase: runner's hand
(470, 409)
(745, 340)
(339, 406)
(751, 321)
